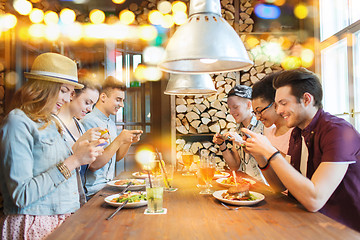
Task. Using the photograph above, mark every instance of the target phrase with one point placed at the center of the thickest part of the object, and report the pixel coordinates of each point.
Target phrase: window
(340, 58)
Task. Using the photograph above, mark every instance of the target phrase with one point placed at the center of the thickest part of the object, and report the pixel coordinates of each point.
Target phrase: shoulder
(331, 125)
(18, 119)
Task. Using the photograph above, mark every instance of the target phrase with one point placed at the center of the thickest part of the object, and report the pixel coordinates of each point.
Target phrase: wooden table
(194, 216)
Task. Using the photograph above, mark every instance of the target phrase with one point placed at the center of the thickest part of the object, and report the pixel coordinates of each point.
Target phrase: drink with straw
(154, 195)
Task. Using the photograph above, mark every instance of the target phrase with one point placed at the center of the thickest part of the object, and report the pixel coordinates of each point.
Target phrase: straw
(163, 167)
(234, 175)
(148, 171)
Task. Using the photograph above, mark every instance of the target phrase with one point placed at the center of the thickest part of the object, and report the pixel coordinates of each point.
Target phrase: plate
(141, 175)
(128, 205)
(259, 198)
(221, 175)
(219, 181)
(132, 187)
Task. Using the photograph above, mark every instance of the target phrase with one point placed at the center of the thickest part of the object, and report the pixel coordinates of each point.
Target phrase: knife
(126, 188)
(117, 210)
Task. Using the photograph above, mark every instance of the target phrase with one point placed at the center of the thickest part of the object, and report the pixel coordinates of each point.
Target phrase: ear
(308, 99)
(249, 105)
(102, 97)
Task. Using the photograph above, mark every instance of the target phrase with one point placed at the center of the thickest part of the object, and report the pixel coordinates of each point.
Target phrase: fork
(236, 208)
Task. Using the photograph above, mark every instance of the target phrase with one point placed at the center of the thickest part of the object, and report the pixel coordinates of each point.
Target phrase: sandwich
(240, 192)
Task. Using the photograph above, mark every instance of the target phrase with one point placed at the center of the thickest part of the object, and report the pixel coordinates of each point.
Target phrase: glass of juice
(207, 171)
(187, 159)
(154, 195)
(168, 177)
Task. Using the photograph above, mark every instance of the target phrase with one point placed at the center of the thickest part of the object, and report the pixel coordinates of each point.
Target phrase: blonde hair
(36, 98)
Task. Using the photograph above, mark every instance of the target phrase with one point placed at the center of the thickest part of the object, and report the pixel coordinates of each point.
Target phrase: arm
(231, 157)
(17, 162)
(120, 145)
(311, 193)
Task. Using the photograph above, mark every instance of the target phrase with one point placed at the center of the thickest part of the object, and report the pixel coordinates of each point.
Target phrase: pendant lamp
(186, 84)
(206, 43)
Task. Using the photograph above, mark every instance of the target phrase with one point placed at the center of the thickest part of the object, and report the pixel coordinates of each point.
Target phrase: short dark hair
(301, 81)
(111, 83)
(264, 88)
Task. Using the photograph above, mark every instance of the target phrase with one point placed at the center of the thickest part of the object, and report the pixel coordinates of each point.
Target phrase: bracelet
(226, 148)
(64, 170)
(268, 161)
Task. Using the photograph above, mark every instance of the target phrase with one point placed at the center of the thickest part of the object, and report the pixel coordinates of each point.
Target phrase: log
(201, 107)
(220, 114)
(180, 101)
(199, 100)
(182, 129)
(181, 108)
(222, 123)
(220, 83)
(205, 120)
(219, 78)
(203, 128)
(195, 146)
(230, 118)
(231, 125)
(205, 115)
(215, 127)
(195, 123)
(191, 116)
(216, 104)
(212, 98)
(185, 123)
(227, 88)
(190, 101)
(178, 122)
(212, 112)
(207, 144)
(206, 103)
(180, 116)
(192, 130)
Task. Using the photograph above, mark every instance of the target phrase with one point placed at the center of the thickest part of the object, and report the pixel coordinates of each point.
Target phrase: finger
(249, 132)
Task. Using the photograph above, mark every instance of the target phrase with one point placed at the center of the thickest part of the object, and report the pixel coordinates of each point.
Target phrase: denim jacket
(31, 183)
(96, 180)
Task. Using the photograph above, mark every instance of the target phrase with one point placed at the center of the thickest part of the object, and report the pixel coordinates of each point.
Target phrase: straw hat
(55, 68)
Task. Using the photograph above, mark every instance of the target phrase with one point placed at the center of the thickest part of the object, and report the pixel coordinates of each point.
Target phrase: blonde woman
(39, 184)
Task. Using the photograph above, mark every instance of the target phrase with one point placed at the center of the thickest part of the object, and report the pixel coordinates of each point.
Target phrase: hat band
(56, 75)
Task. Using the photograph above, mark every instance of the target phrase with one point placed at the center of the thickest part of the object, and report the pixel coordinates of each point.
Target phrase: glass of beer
(187, 159)
(207, 171)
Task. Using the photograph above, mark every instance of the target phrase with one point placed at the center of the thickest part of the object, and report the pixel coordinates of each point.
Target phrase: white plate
(259, 198)
(222, 175)
(142, 176)
(219, 181)
(128, 205)
(132, 187)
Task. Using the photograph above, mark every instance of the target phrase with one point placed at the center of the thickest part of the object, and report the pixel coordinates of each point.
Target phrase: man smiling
(324, 173)
(102, 170)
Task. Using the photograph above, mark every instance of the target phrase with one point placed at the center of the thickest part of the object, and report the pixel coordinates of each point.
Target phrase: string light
(126, 17)
(36, 15)
(97, 16)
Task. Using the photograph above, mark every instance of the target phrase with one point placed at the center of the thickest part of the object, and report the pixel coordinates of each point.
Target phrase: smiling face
(112, 101)
(65, 93)
(268, 116)
(83, 102)
(290, 109)
(240, 108)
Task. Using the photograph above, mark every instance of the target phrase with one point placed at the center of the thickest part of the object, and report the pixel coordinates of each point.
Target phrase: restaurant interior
(177, 95)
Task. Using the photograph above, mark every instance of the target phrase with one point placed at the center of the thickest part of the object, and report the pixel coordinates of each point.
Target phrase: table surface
(194, 216)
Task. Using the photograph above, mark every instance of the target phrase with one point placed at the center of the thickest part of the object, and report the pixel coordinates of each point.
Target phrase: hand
(235, 138)
(130, 136)
(258, 144)
(218, 139)
(93, 134)
(86, 152)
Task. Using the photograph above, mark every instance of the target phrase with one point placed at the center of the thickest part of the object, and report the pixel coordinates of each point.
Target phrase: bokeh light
(52, 32)
(118, 1)
(51, 17)
(8, 21)
(147, 32)
(67, 16)
(267, 11)
(252, 42)
(156, 17)
(23, 7)
(74, 31)
(126, 17)
(97, 16)
(301, 11)
(180, 18)
(164, 7)
(36, 15)
(139, 72)
(168, 21)
(291, 62)
(279, 2)
(11, 79)
(178, 6)
(37, 30)
(153, 55)
(307, 58)
(145, 157)
(152, 74)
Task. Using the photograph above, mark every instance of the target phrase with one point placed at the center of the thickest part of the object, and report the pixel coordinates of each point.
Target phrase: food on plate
(240, 193)
(218, 172)
(126, 182)
(239, 181)
(131, 196)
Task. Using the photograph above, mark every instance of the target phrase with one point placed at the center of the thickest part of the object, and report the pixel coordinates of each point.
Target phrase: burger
(240, 192)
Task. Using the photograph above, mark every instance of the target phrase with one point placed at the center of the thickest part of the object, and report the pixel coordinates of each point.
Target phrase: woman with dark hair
(264, 108)
(37, 167)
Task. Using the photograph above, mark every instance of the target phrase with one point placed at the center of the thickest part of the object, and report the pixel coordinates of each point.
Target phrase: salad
(131, 196)
(127, 181)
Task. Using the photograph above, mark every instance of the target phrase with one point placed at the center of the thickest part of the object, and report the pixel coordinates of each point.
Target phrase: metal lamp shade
(185, 84)
(205, 44)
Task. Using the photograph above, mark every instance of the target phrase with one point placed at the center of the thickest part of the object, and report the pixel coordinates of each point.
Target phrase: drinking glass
(154, 194)
(187, 159)
(168, 176)
(207, 171)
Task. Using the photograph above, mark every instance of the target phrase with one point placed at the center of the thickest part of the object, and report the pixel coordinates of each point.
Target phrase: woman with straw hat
(40, 187)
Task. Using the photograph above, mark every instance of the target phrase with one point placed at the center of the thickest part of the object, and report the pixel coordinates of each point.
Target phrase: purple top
(332, 139)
